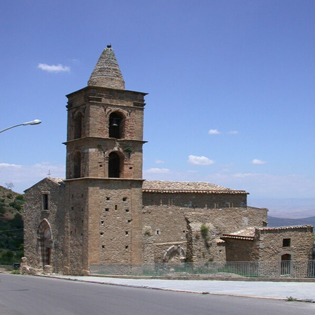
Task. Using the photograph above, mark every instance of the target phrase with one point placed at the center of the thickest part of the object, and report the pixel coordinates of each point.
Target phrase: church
(104, 213)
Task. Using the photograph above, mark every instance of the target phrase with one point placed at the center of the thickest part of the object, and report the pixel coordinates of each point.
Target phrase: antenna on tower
(49, 173)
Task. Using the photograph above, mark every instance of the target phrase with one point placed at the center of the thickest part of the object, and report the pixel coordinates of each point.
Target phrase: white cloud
(6, 165)
(214, 132)
(76, 61)
(53, 68)
(199, 160)
(267, 185)
(256, 161)
(233, 132)
(158, 170)
(25, 176)
(159, 161)
(243, 175)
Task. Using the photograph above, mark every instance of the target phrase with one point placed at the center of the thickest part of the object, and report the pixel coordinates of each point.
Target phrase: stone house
(105, 213)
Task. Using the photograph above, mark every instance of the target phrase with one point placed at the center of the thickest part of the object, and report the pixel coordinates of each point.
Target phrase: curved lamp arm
(33, 122)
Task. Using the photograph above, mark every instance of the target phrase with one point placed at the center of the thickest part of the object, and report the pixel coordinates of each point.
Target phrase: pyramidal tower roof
(107, 72)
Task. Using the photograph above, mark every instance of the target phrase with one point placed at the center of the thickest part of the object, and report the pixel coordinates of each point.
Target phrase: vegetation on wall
(204, 230)
(11, 226)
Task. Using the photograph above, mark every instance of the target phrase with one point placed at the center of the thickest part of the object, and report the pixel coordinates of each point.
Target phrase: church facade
(105, 213)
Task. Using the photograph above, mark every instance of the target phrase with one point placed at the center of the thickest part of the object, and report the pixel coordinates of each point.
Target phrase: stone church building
(105, 213)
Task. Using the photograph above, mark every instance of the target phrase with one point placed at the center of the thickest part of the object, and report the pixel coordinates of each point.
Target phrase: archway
(174, 254)
(44, 236)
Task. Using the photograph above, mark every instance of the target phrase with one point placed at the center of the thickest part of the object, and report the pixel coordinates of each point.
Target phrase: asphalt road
(28, 295)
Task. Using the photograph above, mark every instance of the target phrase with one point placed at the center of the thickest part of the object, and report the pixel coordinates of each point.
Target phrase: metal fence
(263, 269)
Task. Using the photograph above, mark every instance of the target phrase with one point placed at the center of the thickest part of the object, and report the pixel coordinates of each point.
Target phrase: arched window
(78, 126)
(114, 165)
(77, 165)
(116, 125)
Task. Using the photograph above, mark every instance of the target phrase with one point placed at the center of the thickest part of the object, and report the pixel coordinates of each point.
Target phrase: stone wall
(171, 225)
(241, 250)
(76, 231)
(93, 145)
(196, 200)
(271, 245)
(114, 221)
(54, 215)
(96, 103)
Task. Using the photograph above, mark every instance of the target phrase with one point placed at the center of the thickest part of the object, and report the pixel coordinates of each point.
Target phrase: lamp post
(33, 122)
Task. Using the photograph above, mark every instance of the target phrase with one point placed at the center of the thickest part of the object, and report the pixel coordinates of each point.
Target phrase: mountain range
(276, 222)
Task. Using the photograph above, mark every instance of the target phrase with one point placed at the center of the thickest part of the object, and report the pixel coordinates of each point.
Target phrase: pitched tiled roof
(107, 72)
(281, 228)
(246, 234)
(187, 187)
(56, 180)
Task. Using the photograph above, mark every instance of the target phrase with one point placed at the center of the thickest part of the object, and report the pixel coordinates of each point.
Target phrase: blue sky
(231, 87)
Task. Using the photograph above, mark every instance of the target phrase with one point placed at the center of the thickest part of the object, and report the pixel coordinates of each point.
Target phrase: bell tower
(104, 171)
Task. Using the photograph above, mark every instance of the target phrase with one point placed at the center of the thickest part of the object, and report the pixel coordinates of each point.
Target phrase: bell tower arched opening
(78, 126)
(114, 165)
(77, 165)
(116, 125)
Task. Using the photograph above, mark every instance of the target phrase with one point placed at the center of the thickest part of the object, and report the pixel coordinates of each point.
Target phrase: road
(28, 295)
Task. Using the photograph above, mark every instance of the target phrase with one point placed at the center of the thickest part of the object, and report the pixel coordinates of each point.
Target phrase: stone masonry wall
(98, 103)
(115, 229)
(169, 224)
(195, 200)
(35, 214)
(270, 243)
(241, 250)
(77, 234)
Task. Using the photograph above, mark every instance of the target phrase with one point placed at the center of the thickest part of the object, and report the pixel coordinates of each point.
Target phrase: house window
(46, 201)
(286, 242)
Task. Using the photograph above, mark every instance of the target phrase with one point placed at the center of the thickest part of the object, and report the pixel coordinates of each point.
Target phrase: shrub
(20, 197)
(204, 231)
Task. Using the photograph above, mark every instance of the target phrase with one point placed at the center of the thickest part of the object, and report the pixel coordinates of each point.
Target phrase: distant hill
(276, 222)
(286, 207)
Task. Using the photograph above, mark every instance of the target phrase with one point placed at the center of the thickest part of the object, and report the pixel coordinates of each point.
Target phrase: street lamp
(33, 122)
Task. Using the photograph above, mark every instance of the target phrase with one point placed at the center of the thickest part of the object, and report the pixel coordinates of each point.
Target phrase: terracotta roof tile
(186, 187)
(247, 234)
